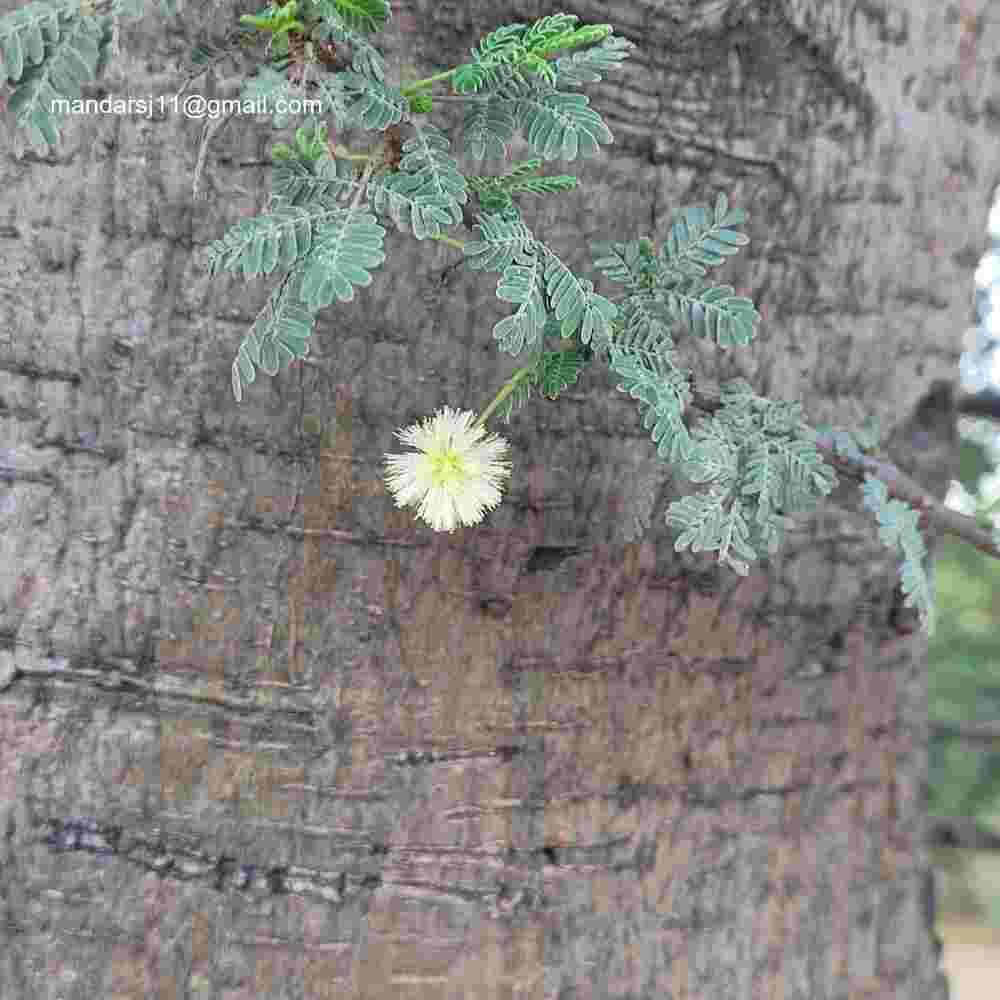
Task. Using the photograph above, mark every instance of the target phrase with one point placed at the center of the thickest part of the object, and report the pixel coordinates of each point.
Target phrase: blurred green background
(964, 705)
(965, 688)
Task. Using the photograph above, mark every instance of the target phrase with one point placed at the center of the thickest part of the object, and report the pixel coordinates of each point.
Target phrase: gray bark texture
(264, 735)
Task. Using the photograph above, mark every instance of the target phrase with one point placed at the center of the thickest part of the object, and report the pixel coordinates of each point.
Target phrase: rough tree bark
(301, 745)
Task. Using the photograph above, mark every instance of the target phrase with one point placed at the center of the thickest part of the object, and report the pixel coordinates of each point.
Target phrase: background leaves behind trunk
(266, 736)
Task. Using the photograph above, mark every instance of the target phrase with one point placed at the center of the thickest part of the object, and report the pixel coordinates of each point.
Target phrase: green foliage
(367, 59)
(345, 248)
(569, 39)
(668, 287)
(715, 312)
(50, 49)
(258, 245)
(300, 180)
(277, 20)
(510, 247)
(556, 125)
(558, 370)
(551, 371)
(575, 304)
(376, 105)
(754, 459)
(421, 104)
(591, 65)
(898, 528)
(694, 241)
(335, 246)
(269, 87)
(559, 125)
(494, 193)
(23, 35)
(760, 464)
(51, 55)
(631, 263)
(311, 145)
(488, 128)
(427, 192)
(520, 46)
(664, 390)
(368, 16)
(523, 285)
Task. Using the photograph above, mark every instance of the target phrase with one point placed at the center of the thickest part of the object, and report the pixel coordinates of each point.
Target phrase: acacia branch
(969, 732)
(985, 404)
(961, 831)
(899, 485)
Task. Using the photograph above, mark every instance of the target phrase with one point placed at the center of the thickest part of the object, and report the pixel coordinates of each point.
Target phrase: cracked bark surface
(264, 735)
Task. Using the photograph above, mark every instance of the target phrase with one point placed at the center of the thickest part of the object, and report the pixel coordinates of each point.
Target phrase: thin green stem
(505, 391)
(412, 88)
(463, 97)
(457, 244)
(518, 376)
(343, 153)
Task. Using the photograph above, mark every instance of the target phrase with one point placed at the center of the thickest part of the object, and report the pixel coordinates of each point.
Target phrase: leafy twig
(899, 485)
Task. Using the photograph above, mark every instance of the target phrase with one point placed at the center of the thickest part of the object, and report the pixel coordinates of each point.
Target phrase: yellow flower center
(446, 467)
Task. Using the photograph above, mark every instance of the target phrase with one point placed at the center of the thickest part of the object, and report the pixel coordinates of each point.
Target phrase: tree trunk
(302, 745)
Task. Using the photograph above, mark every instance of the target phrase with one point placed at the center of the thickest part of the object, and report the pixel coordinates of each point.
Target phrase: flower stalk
(508, 387)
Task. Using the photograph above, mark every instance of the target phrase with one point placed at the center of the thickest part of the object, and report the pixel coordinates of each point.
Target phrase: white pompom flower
(457, 474)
